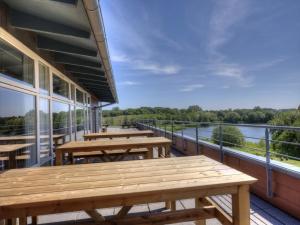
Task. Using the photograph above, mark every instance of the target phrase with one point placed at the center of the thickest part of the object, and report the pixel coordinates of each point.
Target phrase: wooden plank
(241, 206)
(165, 217)
(95, 215)
(123, 211)
(130, 183)
(119, 134)
(13, 147)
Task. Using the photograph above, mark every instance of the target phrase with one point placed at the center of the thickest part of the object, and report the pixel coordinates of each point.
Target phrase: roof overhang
(73, 32)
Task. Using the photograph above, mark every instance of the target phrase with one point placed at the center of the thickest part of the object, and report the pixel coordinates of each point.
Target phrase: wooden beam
(165, 217)
(71, 2)
(49, 44)
(71, 60)
(124, 211)
(29, 22)
(241, 206)
(97, 217)
(84, 70)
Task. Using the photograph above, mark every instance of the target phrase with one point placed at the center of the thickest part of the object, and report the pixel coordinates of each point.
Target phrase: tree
(194, 108)
(283, 138)
(231, 136)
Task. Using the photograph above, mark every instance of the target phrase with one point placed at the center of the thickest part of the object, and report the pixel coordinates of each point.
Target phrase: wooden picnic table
(87, 187)
(16, 138)
(119, 134)
(106, 146)
(11, 150)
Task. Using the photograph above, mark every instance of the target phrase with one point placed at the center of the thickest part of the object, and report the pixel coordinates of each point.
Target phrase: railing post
(221, 143)
(172, 129)
(268, 166)
(165, 129)
(197, 140)
(182, 138)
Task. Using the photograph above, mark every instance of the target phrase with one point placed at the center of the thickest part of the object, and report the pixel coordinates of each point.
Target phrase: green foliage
(290, 118)
(196, 114)
(232, 136)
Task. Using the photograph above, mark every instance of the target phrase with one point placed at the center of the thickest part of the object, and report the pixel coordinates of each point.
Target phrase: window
(60, 112)
(17, 125)
(79, 96)
(80, 122)
(15, 65)
(60, 86)
(73, 92)
(44, 79)
(45, 149)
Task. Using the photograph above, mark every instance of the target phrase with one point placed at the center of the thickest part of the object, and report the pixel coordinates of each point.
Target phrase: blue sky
(215, 53)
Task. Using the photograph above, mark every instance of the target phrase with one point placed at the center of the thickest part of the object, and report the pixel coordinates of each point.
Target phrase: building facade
(54, 74)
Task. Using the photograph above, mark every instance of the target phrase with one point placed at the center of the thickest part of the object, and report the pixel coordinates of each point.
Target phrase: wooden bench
(119, 134)
(111, 156)
(114, 145)
(32, 192)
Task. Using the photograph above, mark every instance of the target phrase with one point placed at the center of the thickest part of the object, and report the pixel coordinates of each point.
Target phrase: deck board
(262, 213)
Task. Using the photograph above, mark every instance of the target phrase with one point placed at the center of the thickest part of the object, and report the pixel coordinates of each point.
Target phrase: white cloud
(129, 83)
(119, 58)
(191, 87)
(156, 68)
(226, 15)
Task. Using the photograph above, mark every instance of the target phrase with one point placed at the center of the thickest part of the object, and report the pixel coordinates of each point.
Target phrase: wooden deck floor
(262, 213)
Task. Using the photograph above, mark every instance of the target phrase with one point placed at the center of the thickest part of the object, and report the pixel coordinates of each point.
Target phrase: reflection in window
(80, 122)
(45, 148)
(60, 114)
(17, 126)
(73, 92)
(44, 79)
(14, 65)
(79, 96)
(73, 122)
(60, 86)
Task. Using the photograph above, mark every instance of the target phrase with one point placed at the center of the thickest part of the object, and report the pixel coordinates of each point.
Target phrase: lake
(206, 132)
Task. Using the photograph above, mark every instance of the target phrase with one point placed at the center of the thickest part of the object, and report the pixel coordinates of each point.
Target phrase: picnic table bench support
(123, 211)
(241, 206)
(95, 215)
(199, 203)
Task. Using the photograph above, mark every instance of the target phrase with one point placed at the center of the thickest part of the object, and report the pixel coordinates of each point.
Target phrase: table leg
(11, 221)
(150, 153)
(199, 204)
(241, 206)
(171, 205)
(12, 163)
(159, 151)
(23, 221)
(59, 157)
(34, 220)
(167, 151)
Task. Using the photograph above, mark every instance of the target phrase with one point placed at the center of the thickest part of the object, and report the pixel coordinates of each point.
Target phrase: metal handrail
(153, 124)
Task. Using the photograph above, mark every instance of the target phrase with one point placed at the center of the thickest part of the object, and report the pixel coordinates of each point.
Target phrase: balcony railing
(265, 145)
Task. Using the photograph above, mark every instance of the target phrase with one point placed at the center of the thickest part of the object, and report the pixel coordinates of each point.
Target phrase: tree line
(195, 113)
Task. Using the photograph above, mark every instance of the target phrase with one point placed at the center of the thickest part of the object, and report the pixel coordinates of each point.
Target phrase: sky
(217, 54)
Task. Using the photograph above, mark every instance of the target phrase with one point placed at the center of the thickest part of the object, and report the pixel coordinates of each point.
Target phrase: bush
(232, 136)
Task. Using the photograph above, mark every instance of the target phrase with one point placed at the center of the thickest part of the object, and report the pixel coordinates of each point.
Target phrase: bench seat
(136, 151)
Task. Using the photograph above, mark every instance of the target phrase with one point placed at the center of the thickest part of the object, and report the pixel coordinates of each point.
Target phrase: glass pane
(80, 122)
(17, 126)
(44, 79)
(79, 96)
(73, 92)
(44, 129)
(73, 122)
(61, 132)
(60, 86)
(14, 65)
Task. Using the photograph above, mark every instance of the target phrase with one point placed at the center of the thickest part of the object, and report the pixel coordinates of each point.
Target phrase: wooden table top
(13, 147)
(112, 134)
(28, 137)
(112, 183)
(74, 146)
